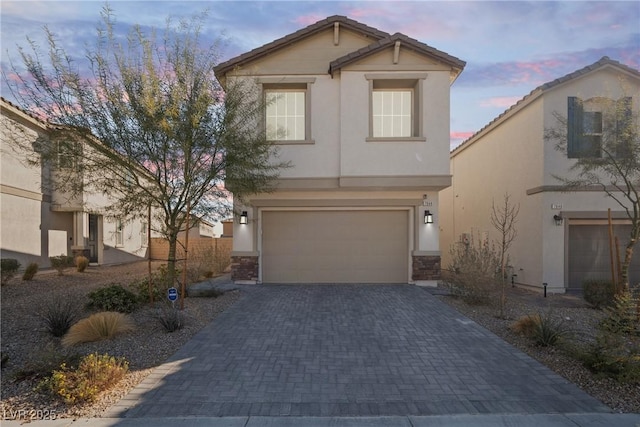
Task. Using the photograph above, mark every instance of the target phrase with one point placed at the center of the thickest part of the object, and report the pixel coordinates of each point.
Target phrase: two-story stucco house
(36, 221)
(562, 236)
(363, 118)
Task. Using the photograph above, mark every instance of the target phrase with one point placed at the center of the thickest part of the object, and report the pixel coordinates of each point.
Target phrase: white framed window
(67, 154)
(395, 106)
(285, 115)
(288, 109)
(392, 113)
(144, 235)
(119, 234)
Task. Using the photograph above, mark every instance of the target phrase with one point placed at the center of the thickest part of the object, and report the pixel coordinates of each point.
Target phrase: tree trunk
(171, 259)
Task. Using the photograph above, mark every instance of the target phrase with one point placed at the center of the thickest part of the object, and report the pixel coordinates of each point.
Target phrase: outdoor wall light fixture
(428, 217)
(244, 217)
(558, 219)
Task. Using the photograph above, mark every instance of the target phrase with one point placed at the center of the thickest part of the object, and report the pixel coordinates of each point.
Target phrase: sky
(510, 47)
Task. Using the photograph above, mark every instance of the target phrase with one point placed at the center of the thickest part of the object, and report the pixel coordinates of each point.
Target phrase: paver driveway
(349, 350)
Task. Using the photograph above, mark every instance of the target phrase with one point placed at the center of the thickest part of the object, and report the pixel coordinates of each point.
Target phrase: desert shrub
(113, 298)
(94, 374)
(171, 319)
(61, 263)
(59, 313)
(221, 259)
(140, 287)
(82, 263)
(8, 268)
(43, 362)
(598, 293)
(99, 326)
(622, 316)
(30, 271)
(545, 330)
(474, 272)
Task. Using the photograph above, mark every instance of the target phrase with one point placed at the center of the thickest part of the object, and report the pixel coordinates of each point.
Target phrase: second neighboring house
(562, 236)
(37, 222)
(363, 118)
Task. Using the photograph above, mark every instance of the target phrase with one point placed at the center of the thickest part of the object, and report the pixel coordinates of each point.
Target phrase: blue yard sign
(172, 294)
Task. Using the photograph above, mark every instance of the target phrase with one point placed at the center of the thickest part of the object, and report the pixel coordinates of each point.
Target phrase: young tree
(148, 123)
(504, 219)
(609, 161)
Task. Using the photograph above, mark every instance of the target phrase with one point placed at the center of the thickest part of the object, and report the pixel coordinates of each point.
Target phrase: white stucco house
(562, 236)
(363, 118)
(37, 222)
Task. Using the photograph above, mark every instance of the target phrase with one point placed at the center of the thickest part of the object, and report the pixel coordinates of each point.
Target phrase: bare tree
(144, 120)
(607, 157)
(504, 219)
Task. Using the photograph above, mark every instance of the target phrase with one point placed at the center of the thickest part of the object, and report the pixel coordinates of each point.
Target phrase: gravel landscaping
(26, 342)
(579, 319)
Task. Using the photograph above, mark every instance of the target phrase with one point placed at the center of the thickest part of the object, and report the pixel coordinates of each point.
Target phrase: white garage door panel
(335, 247)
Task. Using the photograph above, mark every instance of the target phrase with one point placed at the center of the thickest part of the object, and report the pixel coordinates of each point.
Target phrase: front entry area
(335, 246)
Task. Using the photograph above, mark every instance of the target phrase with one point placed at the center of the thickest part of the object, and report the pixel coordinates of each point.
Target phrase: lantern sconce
(428, 217)
(558, 219)
(244, 217)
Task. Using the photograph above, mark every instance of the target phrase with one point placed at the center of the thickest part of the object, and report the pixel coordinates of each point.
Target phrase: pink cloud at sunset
(500, 102)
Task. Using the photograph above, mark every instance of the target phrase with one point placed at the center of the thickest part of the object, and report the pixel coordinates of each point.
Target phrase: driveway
(349, 350)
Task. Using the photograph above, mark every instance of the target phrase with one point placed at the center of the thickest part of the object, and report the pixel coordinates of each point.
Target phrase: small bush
(598, 293)
(45, 361)
(82, 263)
(622, 316)
(141, 288)
(61, 263)
(58, 314)
(474, 272)
(8, 268)
(616, 356)
(113, 298)
(544, 330)
(30, 271)
(171, 319)
(97, 327)
(95, 373)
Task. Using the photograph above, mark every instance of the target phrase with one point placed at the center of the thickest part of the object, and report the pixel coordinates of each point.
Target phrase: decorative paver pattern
(349, 350)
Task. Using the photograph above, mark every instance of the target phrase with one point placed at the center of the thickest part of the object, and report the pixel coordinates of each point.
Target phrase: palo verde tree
(148, 123)
(603, 138)
(504, 218)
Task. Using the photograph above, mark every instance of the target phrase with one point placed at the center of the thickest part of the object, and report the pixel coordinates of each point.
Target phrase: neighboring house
(36, 222)
(363, 117)
(562, 236)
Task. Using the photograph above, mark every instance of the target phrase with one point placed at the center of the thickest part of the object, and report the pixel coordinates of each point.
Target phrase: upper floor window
(119, 232)
(396, 109)
(285, 118)
(597, 127)
(67, 154)
(288, 109)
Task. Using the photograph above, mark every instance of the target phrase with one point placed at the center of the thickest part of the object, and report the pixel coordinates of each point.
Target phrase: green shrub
(614, 355)
(171, 319)
(141, 288)
(61, 263)
(598, 293)
(82, 263)
(113, 298)
(94, 374)
(545, 330)
(30, 271)
(474, 272)
(59, 313)
(96, 327)
(8, 268)
(45, 361)
(622, 316)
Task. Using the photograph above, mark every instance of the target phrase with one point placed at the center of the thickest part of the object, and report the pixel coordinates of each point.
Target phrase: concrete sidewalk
(494, 420)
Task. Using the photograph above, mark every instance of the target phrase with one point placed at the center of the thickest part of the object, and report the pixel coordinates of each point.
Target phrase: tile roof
(321, 25)
(605, 61)
(389, 41)
(5, 103)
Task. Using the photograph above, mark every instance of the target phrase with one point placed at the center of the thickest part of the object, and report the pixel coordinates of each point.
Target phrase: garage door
(589, 256)
(335, 247)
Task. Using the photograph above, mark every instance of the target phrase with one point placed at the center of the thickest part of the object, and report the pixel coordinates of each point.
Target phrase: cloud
(501, 102)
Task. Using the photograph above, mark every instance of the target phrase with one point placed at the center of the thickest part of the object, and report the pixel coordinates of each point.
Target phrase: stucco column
(80, 234)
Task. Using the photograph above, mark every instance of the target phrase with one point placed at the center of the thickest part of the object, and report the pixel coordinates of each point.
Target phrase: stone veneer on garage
(424, 267)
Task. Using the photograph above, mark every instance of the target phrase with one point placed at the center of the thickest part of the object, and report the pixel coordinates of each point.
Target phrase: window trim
(412, 81)
(302, 84)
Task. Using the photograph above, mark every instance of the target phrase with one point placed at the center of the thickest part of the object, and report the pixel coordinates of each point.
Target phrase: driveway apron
(348, 350)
